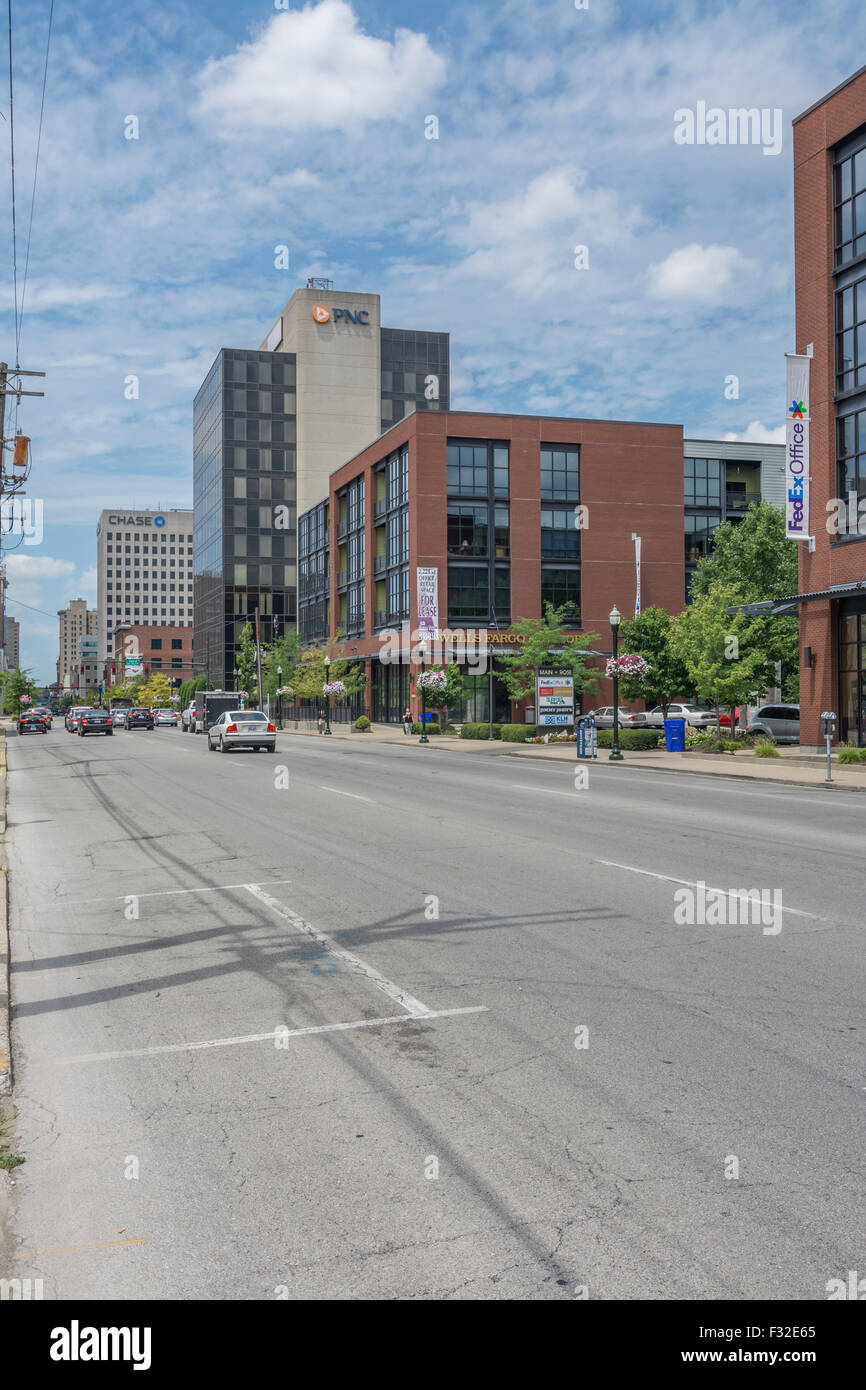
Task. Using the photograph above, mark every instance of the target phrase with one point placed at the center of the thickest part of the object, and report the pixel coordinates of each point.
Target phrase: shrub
(634, 739)
(362, 723)
(516, 733)
(480, 731)
(848, 753)
(431, 728)
(765, 749)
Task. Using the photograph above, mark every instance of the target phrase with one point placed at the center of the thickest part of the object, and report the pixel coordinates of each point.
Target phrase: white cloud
(701, 274)
(33, 567)
(756, 433)
(315, 69)
(44, 296)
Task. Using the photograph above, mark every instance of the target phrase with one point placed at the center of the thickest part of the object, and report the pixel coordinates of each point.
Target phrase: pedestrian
(321, 722)
(407, 720)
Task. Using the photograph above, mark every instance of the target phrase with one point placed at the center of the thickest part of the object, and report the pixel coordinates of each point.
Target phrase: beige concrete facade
(76, 621)
(338, 389)
(144, 566)
(12, 643)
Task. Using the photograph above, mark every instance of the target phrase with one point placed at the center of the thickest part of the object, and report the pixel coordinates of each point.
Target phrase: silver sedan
(242, 728)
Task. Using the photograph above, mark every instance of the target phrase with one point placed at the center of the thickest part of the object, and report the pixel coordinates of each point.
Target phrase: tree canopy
(545, 641)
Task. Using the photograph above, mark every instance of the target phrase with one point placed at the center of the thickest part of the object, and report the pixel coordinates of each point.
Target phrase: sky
(262, 124)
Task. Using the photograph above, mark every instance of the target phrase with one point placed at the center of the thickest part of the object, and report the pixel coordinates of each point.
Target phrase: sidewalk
(791, 767)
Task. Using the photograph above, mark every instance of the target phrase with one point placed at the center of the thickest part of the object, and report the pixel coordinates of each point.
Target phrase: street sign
(554, 697)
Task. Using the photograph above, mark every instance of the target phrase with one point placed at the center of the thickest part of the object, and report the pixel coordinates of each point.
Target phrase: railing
(381, 618)
(342, 530)
(381, 564)
(342, 579)
(380, 509)
(308, 711)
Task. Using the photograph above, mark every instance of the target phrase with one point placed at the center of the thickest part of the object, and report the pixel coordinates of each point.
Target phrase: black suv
(139, 719)
(95, 721)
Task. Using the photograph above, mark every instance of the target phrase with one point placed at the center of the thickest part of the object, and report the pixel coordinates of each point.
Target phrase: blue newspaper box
(675, 735)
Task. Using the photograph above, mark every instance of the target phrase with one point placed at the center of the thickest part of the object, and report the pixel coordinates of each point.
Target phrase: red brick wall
(814, 136)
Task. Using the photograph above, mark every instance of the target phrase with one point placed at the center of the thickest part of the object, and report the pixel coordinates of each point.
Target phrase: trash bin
(675, 735)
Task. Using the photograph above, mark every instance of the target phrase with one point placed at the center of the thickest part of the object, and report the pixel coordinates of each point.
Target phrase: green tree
(545, 642)
(245, 661)
(453, 693)
(156, 693)
(648, 636)
(724, 654)
(16, 683)
(310, 672)
(283, 653)
(755, 556)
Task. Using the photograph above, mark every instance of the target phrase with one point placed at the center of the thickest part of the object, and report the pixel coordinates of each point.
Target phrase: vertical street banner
(636, 538)
(797, 447)
(554, 697)
(428, 603)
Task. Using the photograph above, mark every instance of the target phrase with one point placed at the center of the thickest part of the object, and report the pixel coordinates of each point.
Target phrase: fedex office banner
(797, 448)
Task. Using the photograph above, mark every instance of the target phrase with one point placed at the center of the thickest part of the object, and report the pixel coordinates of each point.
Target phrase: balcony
(380, 618)
(342, 579)
(381, 564)
(380, 509)
(342, 530)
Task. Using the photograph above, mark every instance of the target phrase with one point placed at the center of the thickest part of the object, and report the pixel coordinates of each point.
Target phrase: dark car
(139, 719)
(32, 722)
(95, 721)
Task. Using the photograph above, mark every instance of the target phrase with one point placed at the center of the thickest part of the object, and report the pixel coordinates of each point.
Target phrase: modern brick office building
(163, 650)
(830, 286)
(271, 425)
(489, 503)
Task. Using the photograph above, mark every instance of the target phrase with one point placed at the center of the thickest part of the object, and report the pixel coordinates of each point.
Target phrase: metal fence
(307, 712)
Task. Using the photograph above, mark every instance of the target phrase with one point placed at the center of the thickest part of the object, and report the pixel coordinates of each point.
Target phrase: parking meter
(828, 729)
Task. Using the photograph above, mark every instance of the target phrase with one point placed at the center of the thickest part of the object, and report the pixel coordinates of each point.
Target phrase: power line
(12, 153)
(36, 165)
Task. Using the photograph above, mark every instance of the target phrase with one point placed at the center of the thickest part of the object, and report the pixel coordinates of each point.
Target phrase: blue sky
(306, 127)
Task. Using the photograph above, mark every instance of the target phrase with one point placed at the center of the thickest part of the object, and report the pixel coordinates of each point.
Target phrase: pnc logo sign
(323, 315)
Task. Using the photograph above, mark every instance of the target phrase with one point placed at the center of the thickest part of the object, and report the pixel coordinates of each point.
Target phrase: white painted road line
(353, 795)
(168, 892)
(406, 1001)
(542, 791)
(688, 883)
(266, 1037)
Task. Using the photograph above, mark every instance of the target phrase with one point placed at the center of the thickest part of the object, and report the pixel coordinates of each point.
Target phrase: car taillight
(272, 728)
(231, 728)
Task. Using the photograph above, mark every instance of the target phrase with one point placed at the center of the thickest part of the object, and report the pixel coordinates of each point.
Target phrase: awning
(857, 586)
(781, 607)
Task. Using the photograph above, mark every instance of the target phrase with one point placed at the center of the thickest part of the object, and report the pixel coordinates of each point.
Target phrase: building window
(560, 473)
(467, 470)
(702, 482)
(850, 207)
(699, 528)
(467, 529)
(851, 454)
(560, 585)
(851, 336)
(560, 538)
(469, 592)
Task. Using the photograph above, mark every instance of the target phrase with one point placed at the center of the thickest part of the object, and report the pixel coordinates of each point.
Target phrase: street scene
(433, 757)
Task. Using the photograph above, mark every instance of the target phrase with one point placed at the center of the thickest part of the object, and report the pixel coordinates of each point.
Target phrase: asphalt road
(414, 1026)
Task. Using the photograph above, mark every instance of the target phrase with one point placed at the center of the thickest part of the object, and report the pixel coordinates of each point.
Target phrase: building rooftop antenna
(315, 284)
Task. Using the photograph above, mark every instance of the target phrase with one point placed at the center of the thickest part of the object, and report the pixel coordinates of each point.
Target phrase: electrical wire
(38, 146)
(12, 154)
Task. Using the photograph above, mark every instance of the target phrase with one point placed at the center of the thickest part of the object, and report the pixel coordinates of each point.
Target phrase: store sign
(322, 314)
(554, 697)
(132, 665)
(797, 448)
(428, 603)
(119, 520)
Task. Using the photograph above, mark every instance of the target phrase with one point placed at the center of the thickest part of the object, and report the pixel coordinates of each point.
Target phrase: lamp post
(615, 620)
(422, 652)
(327, 696)
(280, 696)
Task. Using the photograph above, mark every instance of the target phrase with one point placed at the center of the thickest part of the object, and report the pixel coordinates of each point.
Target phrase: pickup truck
(210, 704)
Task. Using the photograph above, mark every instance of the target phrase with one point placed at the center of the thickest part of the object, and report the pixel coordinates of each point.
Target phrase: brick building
(160, 648)
(830, 285)
(489, 502)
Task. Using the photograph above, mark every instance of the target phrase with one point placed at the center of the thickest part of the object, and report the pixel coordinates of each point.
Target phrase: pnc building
(270, 426)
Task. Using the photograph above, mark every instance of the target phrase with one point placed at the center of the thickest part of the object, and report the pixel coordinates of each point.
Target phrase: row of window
(163, 537)
(850, 207)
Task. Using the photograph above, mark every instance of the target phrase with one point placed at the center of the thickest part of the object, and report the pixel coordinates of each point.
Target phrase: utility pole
(259, 660)
(10, 483)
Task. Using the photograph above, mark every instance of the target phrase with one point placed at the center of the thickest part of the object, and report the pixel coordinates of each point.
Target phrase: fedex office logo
(322, 314)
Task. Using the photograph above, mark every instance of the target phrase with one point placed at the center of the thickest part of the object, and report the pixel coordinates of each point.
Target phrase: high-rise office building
(270, 426)
(12, 641)
(144, 571)
(76, 621)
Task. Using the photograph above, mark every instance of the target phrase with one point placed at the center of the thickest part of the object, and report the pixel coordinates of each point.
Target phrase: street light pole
(280, 696)
(423, 739)
(615, 620)
(327, 695)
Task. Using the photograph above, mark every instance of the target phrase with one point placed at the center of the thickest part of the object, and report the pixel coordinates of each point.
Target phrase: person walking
(407, 720)
(321, 722)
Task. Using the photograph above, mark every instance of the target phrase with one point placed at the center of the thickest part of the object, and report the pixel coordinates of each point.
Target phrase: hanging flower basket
(433, 681)
(333, 688)
(25, 700)
(627, 667)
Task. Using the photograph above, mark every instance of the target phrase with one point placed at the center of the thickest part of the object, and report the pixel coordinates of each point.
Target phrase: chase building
(270, 427)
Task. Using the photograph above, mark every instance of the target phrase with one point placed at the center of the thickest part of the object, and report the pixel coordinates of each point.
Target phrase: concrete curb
(5, 1003)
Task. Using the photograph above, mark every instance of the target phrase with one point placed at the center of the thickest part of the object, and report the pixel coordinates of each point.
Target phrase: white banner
(428, 603)
(797, 448)
(636, 538)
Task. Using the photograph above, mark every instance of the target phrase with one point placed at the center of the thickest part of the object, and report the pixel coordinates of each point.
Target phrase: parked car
(73, 714)
(628, 718)
(139, 719)
(780, 723)
(32, 722)
(242, 728)
(95, 721)
(166, 716)
(695, 716)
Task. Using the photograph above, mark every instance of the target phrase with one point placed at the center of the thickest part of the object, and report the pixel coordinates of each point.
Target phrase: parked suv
(781, 723)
